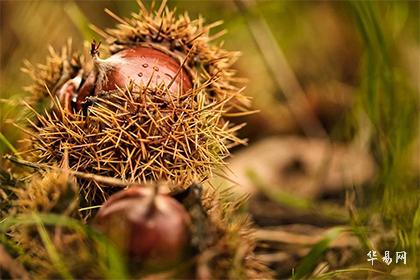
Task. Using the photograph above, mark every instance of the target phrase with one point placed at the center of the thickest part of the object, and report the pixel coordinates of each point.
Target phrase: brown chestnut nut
(149, 228)
(141, 65)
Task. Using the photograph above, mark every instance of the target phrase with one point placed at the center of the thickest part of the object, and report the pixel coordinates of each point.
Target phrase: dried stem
(114, 182)
(281, 71)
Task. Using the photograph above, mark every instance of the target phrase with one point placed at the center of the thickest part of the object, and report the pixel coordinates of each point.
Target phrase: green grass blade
(293, 201)
(51, 250)
(46, 219)
(339, 272)
(307, 265)
(80, 21)
(114, 265)
(8, 144)
(277, 195)
(110, 260)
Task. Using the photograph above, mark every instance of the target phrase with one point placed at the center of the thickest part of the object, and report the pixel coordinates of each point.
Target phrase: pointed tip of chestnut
(150, 233)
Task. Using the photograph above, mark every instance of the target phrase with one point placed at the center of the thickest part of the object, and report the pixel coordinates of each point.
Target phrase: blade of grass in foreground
(111, 262)
(332, 274)
(309, 262)
(52, 252)
(296, 202)
(8, 144)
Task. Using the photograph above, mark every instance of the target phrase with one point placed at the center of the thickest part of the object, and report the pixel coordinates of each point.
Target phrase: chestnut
(149, 228)
(140, 65)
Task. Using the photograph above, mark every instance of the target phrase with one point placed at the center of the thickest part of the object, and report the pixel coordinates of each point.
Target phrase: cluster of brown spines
(230, 255)
(51, 193)
(149, 135)
(48, 193)
(54, 192)
(146, 132)
(47, 78)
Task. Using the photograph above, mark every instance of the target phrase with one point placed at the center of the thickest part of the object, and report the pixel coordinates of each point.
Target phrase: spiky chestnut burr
(220, 240)
(60, 68)
(143, 128)
(228, 254)
(48, 193)
(151, 228)
(52, 192)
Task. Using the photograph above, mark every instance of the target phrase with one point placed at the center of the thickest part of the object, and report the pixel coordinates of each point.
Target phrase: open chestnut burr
(139, 65)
